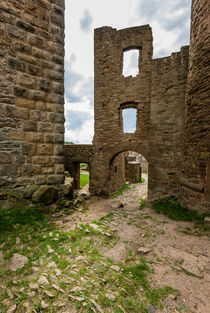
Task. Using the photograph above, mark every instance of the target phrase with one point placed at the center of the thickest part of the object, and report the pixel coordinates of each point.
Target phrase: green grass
(142, 180)
(21, 216)
(36, 232)
(171, 207)
(120, 191)
(84, 180)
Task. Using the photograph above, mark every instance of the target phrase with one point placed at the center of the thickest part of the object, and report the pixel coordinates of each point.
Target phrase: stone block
(47, 170)
(45, 127)
(57, 19)
(9, 170)
(25, 26)
(55, 98)
(40, 159)
(35, 40)
(34, 70)
(55, 75)
(40, 105)
(26, 80)
(29, 125)
(59, 138)
(5, 158)
(37, 95)
(40, 54)
(14, 32)
(40, 180)
(51, 107)
(45, 149)
(57, 59)
(51, 116)
(21, 47)
(58, 149)
(18, 159)
(49, 138)
(30, 169)
(17, 112)
(20, 91)
(36, 10)
(45, 194)
(27, 58)
(16, 135)
(58, 87)
(28, 149)
(16, 64)
(26, 103)
(33, 137)
(34, 115)
(59, 128)
(59, 168)
(55, 179)
(44, 84)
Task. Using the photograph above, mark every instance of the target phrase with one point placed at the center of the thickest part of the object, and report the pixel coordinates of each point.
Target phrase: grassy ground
(120, 191)
(170, 207)
(75, 271)
(84, 180)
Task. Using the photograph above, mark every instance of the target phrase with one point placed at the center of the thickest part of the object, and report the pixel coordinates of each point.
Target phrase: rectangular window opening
(129, 120)
(131, 62)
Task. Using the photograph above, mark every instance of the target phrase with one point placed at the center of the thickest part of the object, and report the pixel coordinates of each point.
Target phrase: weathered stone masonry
(31, 93)
(170, 95)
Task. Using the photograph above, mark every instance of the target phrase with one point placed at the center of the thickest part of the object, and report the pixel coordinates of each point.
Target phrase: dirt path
(179, 260)
(107, 256)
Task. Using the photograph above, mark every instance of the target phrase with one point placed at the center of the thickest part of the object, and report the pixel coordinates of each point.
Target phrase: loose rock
(12, 309)
(43, 280)
(18, 261)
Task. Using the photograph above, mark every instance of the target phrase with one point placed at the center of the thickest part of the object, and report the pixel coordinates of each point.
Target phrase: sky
(170, 22)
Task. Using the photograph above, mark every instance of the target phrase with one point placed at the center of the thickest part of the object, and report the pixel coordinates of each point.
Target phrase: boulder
(67, 190)
(45, 194)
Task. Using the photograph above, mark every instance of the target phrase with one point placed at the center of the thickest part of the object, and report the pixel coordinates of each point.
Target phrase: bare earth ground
(178, 259)
(172, 251)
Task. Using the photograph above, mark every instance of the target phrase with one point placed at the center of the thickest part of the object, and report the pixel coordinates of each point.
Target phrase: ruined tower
(31, 94)
(195, 180)
(114, 93)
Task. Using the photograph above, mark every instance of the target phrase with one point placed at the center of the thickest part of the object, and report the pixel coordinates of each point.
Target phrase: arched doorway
(127, 168)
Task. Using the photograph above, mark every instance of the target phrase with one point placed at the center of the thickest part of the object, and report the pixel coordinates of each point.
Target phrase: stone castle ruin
(170, 96)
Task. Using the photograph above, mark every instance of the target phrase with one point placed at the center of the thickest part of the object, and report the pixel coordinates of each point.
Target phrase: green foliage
(139, 273)
(155, 295)
(142, 203)
(171, 207)
(84, 180)
(142, 180)
(120, 191)
(21, 216)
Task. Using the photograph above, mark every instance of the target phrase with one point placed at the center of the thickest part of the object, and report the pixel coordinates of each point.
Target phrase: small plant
(142, 180)
(142, 203)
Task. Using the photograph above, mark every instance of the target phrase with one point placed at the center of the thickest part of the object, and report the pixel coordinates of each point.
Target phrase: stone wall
(195, 180)
(31, 93)
(169, 76)
(114, 92)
